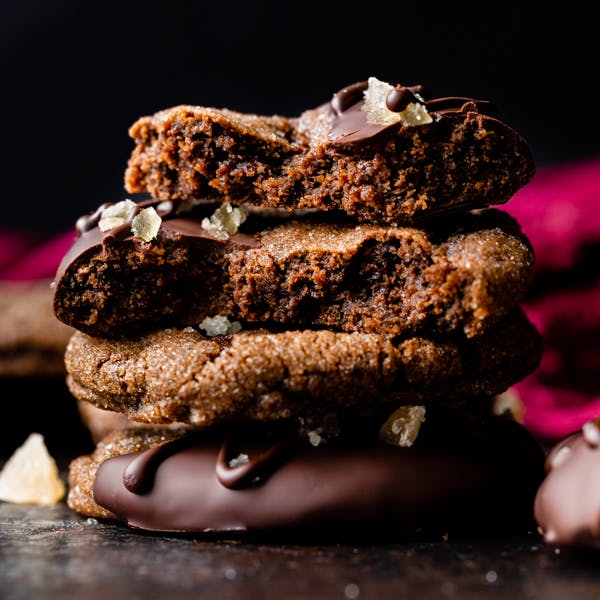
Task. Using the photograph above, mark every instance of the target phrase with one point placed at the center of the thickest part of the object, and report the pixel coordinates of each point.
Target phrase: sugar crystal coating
(262, 375)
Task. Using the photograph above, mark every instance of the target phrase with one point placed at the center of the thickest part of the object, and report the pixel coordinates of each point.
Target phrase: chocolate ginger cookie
(460, 474)
(458, 274)
(567, 503)
(378, 152)
(182, 375)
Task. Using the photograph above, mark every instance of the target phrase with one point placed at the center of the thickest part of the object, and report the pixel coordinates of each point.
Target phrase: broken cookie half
(379, 152)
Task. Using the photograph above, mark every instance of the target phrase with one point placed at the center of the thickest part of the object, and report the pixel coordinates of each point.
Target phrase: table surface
(50, 552)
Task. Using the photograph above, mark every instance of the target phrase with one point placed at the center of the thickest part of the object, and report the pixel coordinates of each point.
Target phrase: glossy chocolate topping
(400, 97)
(247, 459)
(349, 120)
(567, 504)
(481, 479)
(138, 476)
(176, 223)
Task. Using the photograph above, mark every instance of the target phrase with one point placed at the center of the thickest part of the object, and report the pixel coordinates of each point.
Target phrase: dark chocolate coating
(478, 480)
(567, 504)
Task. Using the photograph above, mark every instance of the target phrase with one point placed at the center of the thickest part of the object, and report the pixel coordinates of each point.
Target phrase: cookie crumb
(402, 426)
(30, 476)
(491, 576)
(225, 221)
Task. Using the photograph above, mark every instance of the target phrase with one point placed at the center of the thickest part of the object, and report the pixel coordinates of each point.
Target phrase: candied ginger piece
(402, 426)
(30, 476)
(509, 403)
(415, 114)
(591, 433)
(379, 114)
(115, 214)
(225, 221)
(375, 96)
(146, 224)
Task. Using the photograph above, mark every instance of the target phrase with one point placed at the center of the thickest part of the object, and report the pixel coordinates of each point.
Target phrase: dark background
(75, 75)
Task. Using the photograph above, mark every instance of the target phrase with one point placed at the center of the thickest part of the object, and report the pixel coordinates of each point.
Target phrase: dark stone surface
(49, 552)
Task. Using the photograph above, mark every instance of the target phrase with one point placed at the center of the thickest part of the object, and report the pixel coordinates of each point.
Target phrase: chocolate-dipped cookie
(378, 152)
(567, 504)
(462, 474)
(182, 375)
(458, 274)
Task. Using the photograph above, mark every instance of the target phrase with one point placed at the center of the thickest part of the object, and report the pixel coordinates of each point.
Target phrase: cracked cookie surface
(180, 375)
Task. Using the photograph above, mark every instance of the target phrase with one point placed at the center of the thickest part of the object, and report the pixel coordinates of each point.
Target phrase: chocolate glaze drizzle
(243, 460)
(138, 476)
(349, 120)
(400, 97)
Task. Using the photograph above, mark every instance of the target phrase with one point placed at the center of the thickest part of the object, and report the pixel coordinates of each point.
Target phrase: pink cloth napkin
(560, 213)
(27, 256)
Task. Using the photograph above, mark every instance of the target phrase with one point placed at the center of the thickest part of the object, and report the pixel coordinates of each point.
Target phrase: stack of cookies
(311, 317)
